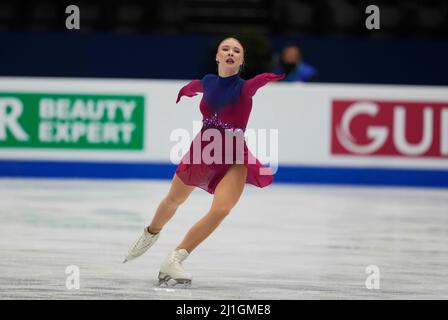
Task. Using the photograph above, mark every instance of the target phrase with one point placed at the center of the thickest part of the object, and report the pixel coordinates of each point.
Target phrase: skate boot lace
(148, 238)
(174, 259)
(144, 241)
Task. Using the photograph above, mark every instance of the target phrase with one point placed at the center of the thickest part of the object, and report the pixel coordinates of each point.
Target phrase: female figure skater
(225, 106)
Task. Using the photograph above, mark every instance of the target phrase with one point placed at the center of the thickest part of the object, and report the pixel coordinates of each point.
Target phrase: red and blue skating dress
(225, 106)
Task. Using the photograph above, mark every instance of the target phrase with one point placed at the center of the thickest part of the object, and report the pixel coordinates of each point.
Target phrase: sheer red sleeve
(190, 90)
(251, 86)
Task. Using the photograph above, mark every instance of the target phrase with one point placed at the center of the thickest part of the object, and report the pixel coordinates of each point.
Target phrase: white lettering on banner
(444, 132)
(10, 120)
(89, 113)
(93, 132)
(62, 132)
(85, 109)
(111, 133)
(78, 130)
(378, 134)
(126, 130)
(45, 131)
(127, 108)
(80, 110)
(45, 108)
(63, 110)
(400, 132)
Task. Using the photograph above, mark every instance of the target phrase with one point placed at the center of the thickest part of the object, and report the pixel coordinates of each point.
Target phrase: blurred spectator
(294, 67)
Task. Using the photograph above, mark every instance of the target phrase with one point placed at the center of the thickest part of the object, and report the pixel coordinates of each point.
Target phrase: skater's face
(230, 55)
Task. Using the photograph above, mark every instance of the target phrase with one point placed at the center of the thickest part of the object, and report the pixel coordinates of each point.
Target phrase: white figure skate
(171, 269)
(142, 244)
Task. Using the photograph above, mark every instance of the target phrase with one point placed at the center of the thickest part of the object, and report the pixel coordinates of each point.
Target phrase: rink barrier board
(372, 176)
(327, 134)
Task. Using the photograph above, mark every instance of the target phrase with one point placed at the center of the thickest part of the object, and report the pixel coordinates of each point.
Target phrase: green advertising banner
(75, 121)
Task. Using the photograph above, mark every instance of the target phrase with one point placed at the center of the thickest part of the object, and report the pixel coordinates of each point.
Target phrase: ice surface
(279, 242)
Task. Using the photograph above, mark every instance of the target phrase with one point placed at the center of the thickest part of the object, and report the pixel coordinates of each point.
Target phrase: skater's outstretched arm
(251, 86)
(190, 90)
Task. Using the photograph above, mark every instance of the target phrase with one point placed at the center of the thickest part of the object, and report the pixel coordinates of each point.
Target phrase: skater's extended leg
(177, 194)
(227, 193)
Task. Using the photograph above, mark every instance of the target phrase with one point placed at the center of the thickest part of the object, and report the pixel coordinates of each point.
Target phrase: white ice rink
(280, 242)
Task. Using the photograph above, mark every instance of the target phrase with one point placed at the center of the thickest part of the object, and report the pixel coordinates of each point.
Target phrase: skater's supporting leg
(226, 196)
(177, 194)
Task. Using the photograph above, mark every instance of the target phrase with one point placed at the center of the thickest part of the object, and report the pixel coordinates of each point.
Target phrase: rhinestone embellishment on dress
(216, 122)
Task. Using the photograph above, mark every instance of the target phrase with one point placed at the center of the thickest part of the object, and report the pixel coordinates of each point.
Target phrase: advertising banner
(392, 128)
(75, 121)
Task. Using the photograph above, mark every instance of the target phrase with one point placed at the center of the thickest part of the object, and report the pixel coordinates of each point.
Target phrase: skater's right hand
(185, 93)
(190, 90)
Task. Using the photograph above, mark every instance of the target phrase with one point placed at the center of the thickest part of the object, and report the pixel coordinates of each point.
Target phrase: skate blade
(165, 281)
(128, 258)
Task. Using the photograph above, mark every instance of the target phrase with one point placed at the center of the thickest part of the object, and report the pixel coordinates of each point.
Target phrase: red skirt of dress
(197, 169)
